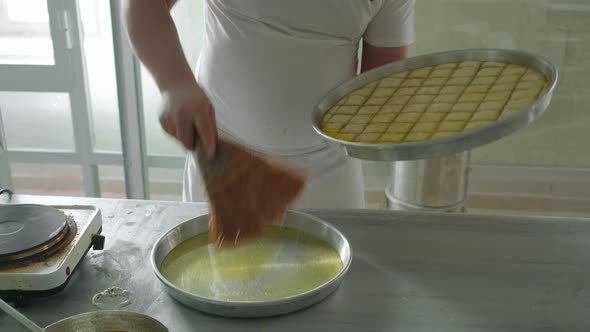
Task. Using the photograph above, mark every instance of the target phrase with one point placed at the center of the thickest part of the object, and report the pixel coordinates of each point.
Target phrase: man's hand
(186, 112)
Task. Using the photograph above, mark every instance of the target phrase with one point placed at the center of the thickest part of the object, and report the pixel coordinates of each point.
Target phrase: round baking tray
(107, 320)
(251, 309)
(448, 145)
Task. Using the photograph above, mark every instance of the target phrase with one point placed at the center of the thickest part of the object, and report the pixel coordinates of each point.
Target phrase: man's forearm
(374, 57)
(155, 39)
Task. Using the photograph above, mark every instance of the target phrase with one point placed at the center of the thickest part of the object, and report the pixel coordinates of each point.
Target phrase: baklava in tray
(433, 102)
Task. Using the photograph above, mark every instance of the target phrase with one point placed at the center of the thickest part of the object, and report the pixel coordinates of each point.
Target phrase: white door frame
(130, 108)
(5, 176)
(67, 75)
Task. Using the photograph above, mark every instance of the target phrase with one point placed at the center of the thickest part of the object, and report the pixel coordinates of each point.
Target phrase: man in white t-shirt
(264, 66)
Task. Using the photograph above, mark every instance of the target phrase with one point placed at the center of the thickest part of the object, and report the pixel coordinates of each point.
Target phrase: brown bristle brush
(246, 192)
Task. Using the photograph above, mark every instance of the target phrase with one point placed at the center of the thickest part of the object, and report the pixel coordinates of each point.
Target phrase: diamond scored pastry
(433, 102)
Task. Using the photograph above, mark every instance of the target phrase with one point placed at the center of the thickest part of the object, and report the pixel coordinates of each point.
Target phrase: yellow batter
(281, 262)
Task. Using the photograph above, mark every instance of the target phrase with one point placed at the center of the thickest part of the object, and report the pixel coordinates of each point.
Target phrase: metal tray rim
(456, 143)
(333, 283)
(86, 316)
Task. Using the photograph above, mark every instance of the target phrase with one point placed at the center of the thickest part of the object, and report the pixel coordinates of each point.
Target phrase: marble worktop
(410, 272)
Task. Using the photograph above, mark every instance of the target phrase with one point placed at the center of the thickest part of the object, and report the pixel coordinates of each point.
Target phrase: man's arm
(373, 56)
(388, 34)
(155, 39)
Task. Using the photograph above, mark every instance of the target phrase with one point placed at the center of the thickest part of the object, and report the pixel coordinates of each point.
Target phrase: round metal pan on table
(250, 309)
(107, 320)
(448, 145)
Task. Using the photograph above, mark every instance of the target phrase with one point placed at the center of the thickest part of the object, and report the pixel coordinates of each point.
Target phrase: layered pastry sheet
(433, 102)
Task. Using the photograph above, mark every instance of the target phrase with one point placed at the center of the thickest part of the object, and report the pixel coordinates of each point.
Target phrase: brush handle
(210, 167)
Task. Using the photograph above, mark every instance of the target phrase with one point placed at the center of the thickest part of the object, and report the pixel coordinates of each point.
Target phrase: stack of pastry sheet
(433, 102)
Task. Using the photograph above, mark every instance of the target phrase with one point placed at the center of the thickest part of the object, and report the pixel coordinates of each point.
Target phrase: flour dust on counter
(280, 263)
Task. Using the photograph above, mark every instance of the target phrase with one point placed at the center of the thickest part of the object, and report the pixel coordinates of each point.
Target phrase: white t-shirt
(266, 64)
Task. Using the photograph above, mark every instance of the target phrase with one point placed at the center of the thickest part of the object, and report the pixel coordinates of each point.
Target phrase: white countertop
(410, 272)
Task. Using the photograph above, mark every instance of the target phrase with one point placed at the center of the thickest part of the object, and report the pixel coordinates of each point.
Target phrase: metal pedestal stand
(437, 184)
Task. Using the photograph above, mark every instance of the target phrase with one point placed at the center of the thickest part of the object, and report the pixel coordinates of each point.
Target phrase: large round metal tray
(448, 145)
(250, 309)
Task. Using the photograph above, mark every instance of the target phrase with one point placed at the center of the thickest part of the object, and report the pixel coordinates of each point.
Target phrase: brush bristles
(250, 194)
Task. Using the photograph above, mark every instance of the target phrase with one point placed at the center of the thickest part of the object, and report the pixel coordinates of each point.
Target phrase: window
(24, 33)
